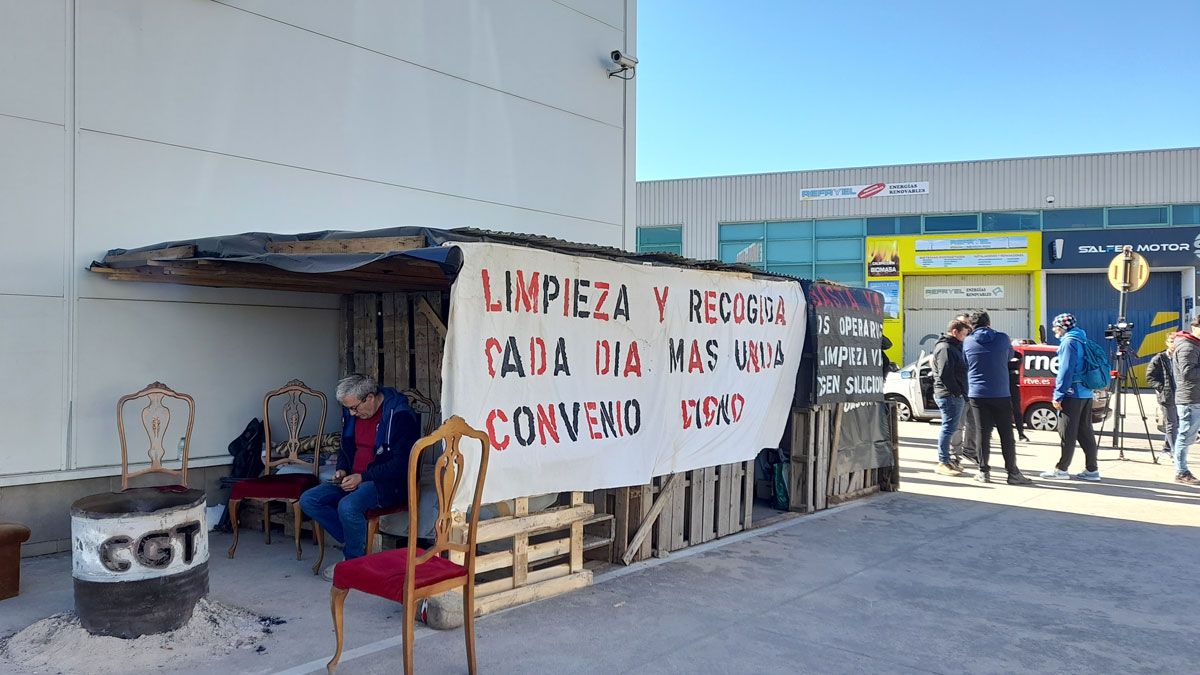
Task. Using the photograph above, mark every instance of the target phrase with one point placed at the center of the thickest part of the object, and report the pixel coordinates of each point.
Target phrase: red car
(1038, 365)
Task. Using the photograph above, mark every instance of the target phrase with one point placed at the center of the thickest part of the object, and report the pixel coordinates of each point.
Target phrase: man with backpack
(987, 387)
(1073, 400)
(1185, 366)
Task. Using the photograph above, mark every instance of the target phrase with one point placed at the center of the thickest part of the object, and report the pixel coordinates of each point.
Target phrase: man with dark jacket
(950, 390)
(1159, 375)
(962, 444)
(1185, 366)
(987, 389)
(378, 431)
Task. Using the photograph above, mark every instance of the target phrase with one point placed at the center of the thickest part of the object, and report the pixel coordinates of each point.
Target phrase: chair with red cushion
(409, 574)
(283, 487)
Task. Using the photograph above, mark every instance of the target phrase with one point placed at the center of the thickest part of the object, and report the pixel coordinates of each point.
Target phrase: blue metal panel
(1094, 303)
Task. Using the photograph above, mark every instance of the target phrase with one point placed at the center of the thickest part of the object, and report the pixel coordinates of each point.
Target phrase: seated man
(378, 432)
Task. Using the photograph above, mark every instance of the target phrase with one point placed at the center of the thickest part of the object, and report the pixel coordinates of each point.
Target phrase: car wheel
(1042, 416)
(903, 410)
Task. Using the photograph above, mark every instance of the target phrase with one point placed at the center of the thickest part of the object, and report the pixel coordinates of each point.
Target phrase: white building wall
(130, 122)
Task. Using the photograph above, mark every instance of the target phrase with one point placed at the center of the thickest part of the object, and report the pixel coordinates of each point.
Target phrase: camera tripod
(1125, 383)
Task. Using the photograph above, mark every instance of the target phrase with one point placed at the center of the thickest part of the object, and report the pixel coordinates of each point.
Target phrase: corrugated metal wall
(1114, 179)
(926, 318)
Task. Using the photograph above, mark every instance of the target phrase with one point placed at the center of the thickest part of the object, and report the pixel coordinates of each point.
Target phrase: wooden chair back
(156, 418)
(293, 412)
(447, 475)
(429, 414)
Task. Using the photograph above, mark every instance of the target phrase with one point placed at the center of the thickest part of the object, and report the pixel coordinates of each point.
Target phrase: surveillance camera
(1049, 199)
(625, 61)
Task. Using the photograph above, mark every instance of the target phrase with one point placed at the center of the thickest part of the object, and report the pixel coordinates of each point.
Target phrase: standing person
(378, 431)
(1185, 367)
(1159, 375)
(962, 444)
(1014, 392)
(987, 389)
(950, 390)
(1073, 401)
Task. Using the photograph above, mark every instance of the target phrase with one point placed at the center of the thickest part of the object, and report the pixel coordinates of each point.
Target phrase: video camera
(1122, 332)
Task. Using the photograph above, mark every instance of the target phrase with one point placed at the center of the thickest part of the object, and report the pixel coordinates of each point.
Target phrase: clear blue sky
(758, 86)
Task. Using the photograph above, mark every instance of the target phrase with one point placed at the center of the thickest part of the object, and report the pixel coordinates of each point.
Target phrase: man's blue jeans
(342, 514)
(952, 408)
(1189, 424)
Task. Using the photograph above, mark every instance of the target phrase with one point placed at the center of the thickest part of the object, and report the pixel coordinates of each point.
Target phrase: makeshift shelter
(396, 315)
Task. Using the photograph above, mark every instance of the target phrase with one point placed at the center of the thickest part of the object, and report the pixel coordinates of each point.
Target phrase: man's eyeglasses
(354, 408)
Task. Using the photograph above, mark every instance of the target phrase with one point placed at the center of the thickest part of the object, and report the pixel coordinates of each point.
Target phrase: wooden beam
(532, 592)
(429, 313)
(169, 253)
(644, 530)
(272, 279)
(354, 245)
(833, 448)
(508, 583)
(534, 553)
(545, 521)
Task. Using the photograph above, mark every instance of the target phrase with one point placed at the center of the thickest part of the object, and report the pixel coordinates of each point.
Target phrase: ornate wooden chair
(156, 418)
(283, 487)
(409, 574)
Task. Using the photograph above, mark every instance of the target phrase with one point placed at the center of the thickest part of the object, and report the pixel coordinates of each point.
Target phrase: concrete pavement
(947, 576)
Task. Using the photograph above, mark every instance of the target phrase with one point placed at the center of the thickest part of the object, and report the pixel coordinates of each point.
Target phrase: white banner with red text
(589, 374)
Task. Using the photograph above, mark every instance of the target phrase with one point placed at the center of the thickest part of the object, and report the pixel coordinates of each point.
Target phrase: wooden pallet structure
(677, 511)
(813, 436)
(540, 554)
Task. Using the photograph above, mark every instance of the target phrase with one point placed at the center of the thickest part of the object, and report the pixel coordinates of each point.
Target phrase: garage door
(1154, 311)
(930, 303)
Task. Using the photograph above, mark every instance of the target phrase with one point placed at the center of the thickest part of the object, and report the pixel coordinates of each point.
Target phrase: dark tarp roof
(418, 259)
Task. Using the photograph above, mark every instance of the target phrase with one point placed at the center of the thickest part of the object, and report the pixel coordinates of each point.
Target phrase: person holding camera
(1074, 403)
(1185, 368)
(1160, 377)
(378, 432)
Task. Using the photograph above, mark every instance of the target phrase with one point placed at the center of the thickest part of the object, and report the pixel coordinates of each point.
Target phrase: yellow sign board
(1128, 271)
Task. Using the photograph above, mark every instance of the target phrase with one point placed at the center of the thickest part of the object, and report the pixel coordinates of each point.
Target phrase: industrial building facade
(1023, 238)
(125, 123)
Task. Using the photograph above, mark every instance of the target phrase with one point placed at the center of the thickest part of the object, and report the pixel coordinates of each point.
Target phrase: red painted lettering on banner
(589, 412)
(527, 294)
(490, 344)
(494, 415)
(488, 304)
(599, 312)
(547, 425)
(661, 299)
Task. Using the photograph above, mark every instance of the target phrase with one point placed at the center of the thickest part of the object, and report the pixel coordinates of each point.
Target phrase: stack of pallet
(677, 511)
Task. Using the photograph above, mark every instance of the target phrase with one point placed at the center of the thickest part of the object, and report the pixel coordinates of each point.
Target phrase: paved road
(948, 576)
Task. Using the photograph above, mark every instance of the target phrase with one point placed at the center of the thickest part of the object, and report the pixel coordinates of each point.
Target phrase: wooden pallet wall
(699, 506)
(396, 338)
(812, 436)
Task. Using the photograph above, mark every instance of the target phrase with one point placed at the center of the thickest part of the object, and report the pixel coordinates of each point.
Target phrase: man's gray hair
(357, 385)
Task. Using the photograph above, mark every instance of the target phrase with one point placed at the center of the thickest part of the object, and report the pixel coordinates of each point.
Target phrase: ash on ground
(59, 644)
